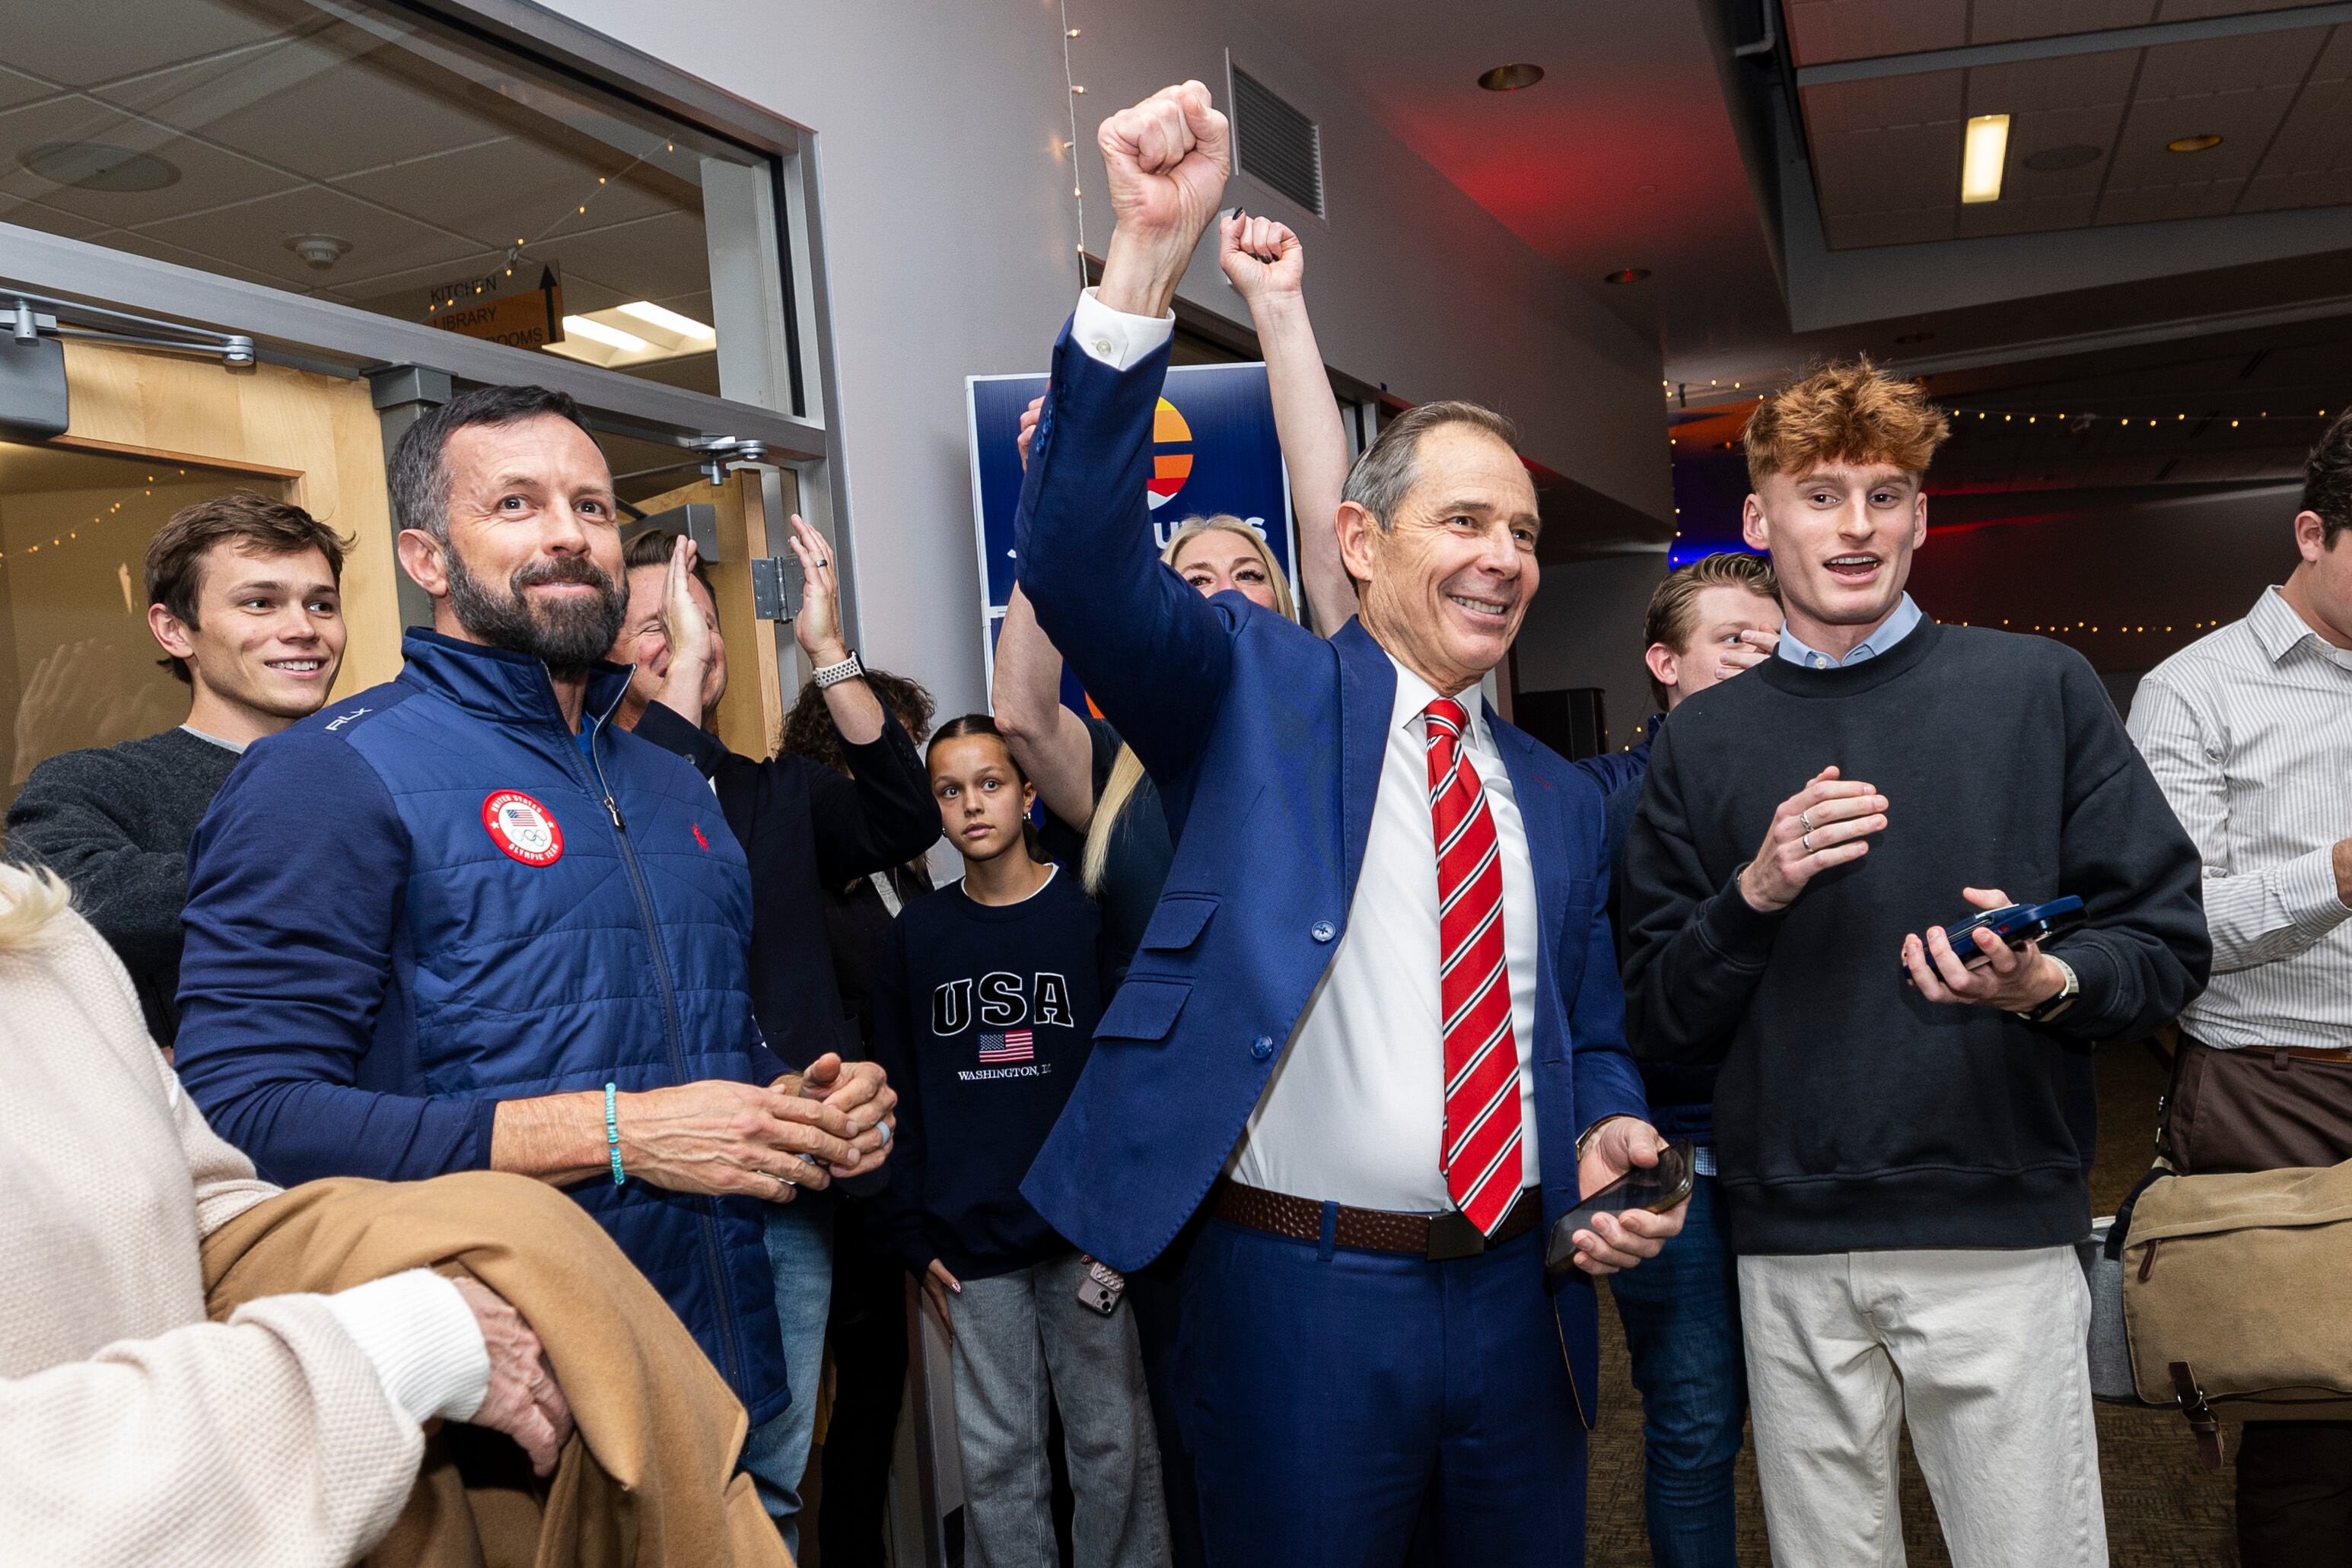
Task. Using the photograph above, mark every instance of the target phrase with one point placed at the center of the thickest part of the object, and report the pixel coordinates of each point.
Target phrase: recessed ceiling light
(99, 166)
(1511, 78)
(1987, 149)
(1627, 275)
(669, 321)
(2192, 144)
(621, 336)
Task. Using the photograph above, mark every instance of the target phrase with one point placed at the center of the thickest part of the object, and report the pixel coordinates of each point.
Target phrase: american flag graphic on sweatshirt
(996, 1050)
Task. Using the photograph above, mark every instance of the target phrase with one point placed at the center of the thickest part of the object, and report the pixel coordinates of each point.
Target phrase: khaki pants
(1981, 1352)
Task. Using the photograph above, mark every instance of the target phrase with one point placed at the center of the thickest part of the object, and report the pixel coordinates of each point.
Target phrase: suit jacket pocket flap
(1144, 1009)
(1178, 921)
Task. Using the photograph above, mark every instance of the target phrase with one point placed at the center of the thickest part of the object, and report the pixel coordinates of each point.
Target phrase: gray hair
(1390, 466)
(418, 473)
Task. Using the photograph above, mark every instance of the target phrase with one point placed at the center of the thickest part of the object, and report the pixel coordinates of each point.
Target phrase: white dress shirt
(2249, 733)
(1899, 623)
(1355, 1112)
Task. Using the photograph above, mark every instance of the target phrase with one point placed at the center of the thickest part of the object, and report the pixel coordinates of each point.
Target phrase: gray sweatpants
(1012, 1334)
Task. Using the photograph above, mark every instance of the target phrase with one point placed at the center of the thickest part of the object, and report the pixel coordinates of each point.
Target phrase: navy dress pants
(1335, 1399)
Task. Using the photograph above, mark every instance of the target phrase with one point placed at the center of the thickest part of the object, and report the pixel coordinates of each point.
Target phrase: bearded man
(460, 920)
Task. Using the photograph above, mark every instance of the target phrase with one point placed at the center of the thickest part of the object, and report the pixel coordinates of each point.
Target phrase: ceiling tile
(2245, 121)
(2231, 65)
(1998, 21)
(2312, 188)
(139, 244)
(2019, 86)
(652, 259)
(90, 41)
(208, 177)
(510, 189)
(2048, 131)
(48, 219)
(1824, 31)
(2195, 10)
(1859, 231)
(2317, 134)
(254, 234)
(313, 107)
(1836, 108)
(2158, 203)
(17, 87)
(2335, 62)
(2016, 214)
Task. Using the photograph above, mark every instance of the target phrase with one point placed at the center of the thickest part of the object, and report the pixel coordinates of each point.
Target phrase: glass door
(151, 432)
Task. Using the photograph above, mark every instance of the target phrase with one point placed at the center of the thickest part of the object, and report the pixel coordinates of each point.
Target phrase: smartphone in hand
(2015, 924)
(1653, 1188)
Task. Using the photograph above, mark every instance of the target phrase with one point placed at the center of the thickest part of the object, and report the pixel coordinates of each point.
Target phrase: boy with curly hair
(1902, 1122)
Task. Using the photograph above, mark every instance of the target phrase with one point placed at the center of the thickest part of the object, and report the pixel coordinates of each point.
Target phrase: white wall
(951, 241)
(1585, 630)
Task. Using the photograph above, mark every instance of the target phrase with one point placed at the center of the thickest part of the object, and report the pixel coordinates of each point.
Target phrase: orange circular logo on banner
(524, 828)
(1170, 468)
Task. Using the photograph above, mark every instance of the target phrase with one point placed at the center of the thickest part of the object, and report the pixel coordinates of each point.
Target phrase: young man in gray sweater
(244, 595)
(1903, 1130)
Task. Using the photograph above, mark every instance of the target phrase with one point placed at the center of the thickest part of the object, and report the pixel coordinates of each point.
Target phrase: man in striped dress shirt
(2248, 732)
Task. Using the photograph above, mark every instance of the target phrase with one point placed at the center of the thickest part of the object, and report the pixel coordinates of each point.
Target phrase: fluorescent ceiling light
(669, 321)
(597, 332)
(1987, 149)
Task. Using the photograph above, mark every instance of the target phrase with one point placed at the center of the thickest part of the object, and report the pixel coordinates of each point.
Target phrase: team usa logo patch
(998, 1050)
(524, 828)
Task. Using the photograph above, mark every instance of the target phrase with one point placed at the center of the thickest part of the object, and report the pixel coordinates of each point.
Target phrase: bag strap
(2121, 1226)
(2200, 1414)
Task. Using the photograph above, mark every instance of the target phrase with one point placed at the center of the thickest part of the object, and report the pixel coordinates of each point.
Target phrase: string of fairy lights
(58, 541)
(517, 252)
(1073, 92)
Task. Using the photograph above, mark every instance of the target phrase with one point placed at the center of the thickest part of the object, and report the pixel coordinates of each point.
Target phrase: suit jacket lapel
(1366, 698)
(1539, 812)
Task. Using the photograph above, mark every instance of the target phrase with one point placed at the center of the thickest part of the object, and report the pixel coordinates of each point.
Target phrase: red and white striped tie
(1481, 1150)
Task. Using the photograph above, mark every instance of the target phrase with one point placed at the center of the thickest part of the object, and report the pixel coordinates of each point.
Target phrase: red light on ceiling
(1627, 275)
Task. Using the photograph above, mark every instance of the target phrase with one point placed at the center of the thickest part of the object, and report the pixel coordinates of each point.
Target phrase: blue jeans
(776, 1452)
(1681, 1313)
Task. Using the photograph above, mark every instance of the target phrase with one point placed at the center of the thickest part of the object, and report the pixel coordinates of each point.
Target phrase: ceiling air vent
(1276, 144)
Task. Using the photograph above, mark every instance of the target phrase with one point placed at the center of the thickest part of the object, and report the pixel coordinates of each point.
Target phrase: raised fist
(1261, 255)
(1167, 158)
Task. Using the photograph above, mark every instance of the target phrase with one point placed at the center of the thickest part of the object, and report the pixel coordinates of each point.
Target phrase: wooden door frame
(318, 435)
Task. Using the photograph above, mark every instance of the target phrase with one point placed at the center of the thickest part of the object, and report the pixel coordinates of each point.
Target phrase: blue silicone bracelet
(613, 1136)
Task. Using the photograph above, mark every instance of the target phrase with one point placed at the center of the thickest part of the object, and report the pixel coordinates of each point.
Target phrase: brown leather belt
(1432, 1235)
(2300, 1052)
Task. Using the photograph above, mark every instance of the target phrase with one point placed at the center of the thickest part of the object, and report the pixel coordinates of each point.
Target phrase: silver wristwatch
(850, 669)
(2044, 1012)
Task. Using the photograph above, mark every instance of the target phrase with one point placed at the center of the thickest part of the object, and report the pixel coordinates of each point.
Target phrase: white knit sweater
(131, 1430)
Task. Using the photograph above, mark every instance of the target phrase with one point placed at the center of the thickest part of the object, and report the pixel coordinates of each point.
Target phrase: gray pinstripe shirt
(2249, 733)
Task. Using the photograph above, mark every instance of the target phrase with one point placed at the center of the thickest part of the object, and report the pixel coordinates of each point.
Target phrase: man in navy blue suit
(1372, 1042)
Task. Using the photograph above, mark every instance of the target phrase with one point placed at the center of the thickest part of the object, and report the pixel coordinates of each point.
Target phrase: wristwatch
(2044, 1012)
(850, 669)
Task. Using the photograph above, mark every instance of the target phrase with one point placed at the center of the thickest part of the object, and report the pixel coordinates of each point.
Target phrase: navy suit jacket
(1267, 742)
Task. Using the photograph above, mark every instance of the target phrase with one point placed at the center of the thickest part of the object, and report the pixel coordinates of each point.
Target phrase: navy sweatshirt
(1851, 1112)
(985, 1015)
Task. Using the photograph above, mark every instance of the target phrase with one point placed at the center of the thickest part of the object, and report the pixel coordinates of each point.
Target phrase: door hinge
(776, 586)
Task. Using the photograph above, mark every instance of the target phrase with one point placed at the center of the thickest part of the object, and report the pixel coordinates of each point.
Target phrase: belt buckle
(1451, 1235)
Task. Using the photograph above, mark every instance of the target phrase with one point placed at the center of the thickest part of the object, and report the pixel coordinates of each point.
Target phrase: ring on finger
(1807, 818)
(1807, 840)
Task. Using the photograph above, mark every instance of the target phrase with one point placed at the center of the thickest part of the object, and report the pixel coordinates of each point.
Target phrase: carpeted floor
(2163, 1510)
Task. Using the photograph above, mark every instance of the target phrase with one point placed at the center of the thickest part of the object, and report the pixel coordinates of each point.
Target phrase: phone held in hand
(2014, 923)
(1652, 1188)
(1102, 1287)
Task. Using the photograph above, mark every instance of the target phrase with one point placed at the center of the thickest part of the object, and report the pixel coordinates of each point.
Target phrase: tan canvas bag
(2224, 1281)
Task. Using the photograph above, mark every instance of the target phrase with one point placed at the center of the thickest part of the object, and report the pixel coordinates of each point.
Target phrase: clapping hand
(818, 625)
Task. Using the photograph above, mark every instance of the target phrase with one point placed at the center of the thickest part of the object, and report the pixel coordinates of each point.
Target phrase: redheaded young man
(244, 595)
(1903, 1135)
